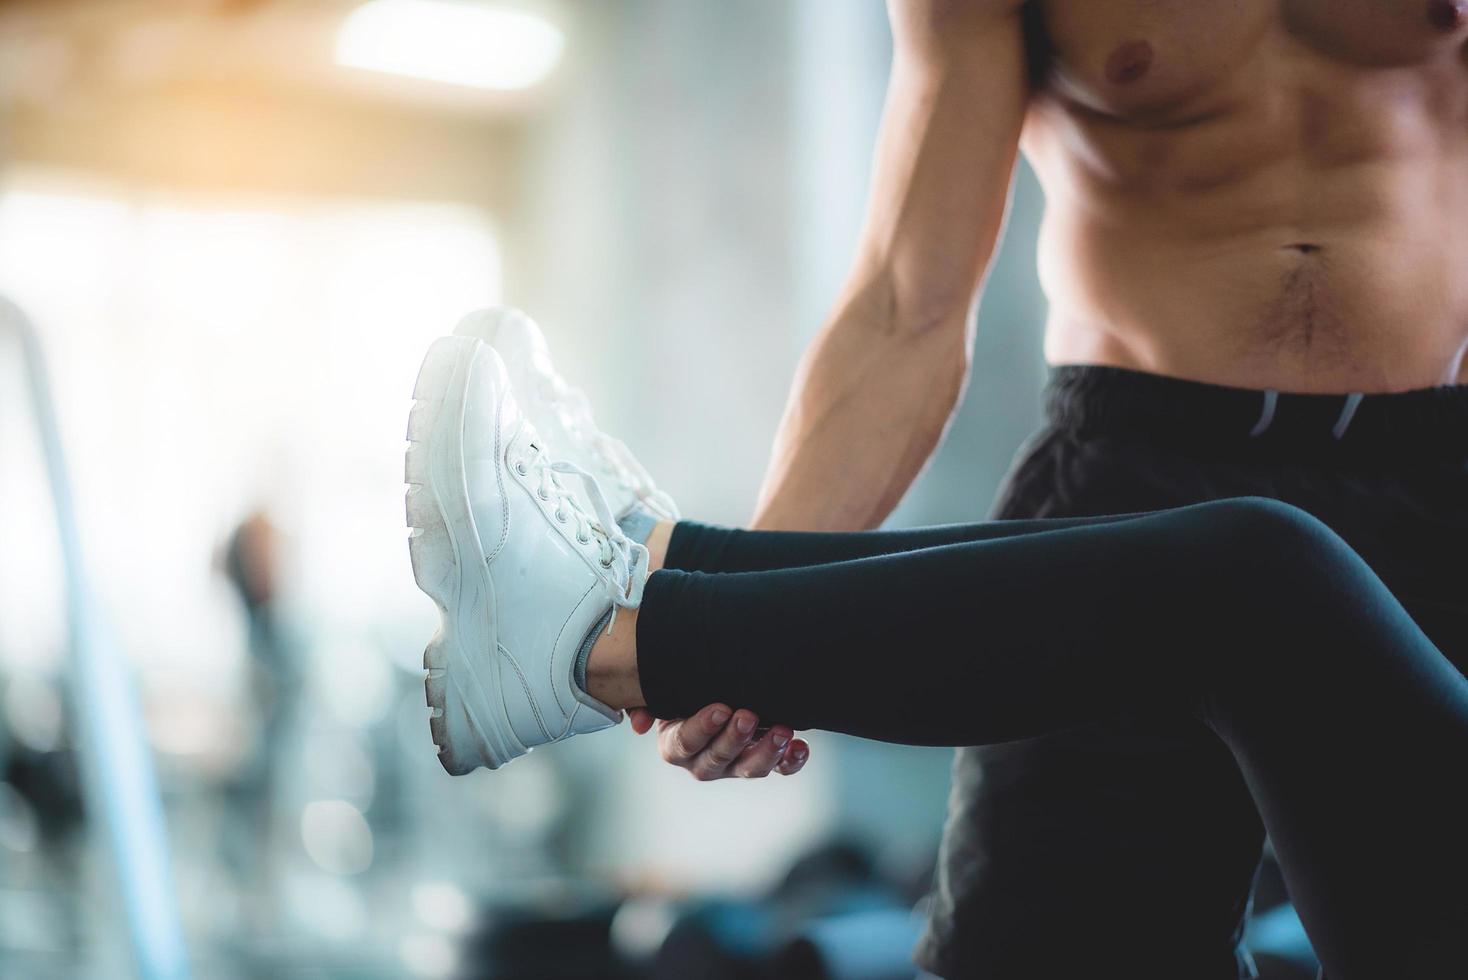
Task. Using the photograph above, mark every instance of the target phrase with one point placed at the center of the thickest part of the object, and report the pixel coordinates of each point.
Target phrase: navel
(1447, 15)
(1129, 62)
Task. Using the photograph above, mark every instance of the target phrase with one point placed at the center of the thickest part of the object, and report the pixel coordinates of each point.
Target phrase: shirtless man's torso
(1262, 193)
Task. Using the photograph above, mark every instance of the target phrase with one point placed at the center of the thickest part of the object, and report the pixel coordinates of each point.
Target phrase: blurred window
(211, 355)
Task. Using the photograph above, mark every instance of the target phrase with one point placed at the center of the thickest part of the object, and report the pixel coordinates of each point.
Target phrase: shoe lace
(623, 562)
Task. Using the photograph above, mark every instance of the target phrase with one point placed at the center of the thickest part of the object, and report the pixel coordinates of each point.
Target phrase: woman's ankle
(657, 545)
(611, 669)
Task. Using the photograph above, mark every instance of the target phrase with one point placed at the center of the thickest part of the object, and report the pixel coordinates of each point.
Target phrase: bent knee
(1272, 529)
(1262, 512)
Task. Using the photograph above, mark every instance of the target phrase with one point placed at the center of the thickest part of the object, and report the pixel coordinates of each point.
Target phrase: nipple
(1447, 15)
(1133, 60)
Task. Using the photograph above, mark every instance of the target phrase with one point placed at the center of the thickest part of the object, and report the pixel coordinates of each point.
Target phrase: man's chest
(1129, 56)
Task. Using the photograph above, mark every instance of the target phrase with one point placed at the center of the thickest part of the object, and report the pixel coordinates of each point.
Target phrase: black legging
(1349, 726)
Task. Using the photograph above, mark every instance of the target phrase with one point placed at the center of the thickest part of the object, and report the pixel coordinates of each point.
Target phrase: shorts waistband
(1428, 423)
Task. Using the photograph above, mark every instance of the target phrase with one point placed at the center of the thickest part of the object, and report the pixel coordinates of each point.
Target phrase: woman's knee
(1262, 531)
(1288, 582)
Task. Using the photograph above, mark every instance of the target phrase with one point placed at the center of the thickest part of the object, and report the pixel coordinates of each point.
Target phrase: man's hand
(717, 743)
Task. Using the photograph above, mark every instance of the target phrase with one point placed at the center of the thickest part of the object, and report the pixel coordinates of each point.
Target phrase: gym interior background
(236, 224)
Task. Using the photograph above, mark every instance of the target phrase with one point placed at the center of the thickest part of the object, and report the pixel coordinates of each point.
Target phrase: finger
(796, 754)
(762, 755)
(641, 720)
(682, 741)
(714, 761)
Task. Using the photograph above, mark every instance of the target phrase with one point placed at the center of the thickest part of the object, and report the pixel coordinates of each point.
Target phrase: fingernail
(745, 725)
(719, 717)
(779, 740)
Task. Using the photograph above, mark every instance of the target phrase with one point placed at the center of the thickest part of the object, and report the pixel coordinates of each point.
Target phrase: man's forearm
(871, 400)
(877, 388)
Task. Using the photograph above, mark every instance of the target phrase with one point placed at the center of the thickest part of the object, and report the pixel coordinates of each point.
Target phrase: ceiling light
(459, 43)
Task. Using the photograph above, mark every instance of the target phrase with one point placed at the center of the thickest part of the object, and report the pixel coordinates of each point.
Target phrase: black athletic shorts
(1129, 851)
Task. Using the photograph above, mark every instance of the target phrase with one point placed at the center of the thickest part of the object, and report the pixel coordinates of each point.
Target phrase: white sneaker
(562, 414)
(520, 571)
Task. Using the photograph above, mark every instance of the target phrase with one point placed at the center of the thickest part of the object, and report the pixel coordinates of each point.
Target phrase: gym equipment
(118, 784)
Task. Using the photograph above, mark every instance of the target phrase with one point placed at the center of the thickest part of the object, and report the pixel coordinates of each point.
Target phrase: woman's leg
(695, 547)
(1350, 728)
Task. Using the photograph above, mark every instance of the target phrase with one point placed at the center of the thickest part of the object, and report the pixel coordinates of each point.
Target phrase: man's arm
(877, 387)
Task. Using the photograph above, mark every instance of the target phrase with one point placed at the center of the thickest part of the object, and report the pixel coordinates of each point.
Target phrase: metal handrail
(119, 787)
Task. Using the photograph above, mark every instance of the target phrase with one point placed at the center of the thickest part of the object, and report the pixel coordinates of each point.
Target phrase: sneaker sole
(461, 660)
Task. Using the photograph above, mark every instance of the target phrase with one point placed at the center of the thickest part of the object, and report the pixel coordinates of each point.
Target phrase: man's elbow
(934, 355)
(937, 329)
(925, 304)
(931, 328)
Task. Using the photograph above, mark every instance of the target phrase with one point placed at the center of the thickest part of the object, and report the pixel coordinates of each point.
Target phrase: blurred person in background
(1251, 253)
(250, 561)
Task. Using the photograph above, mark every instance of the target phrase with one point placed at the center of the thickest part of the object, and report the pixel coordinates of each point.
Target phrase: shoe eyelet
(520, 468)
(560, 515)
(606, 563)
(542, 495)
(583, 540)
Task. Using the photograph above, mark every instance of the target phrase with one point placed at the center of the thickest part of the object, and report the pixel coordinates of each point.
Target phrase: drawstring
(1266, 416)
(1342, 423)
(1348, 412)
